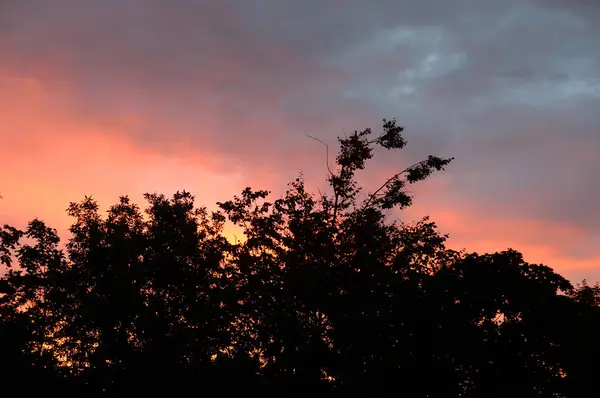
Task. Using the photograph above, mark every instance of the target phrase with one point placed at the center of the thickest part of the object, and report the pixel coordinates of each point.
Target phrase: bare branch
(326, 151)
(335, 188)
(321, 194)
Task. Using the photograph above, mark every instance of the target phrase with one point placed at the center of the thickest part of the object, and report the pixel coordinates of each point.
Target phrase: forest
(325, 293)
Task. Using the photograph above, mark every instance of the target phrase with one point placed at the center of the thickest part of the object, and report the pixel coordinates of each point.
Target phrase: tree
(326, 294)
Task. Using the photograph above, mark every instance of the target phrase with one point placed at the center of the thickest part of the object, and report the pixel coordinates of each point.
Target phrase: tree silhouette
(325, 294)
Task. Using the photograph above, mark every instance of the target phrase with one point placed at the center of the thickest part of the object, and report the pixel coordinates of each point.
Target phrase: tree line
(325, 294)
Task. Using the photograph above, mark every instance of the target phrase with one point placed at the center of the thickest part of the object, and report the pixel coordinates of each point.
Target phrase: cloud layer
(116, 97)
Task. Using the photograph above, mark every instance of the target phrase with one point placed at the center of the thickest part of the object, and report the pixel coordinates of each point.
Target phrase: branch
(335, 190)
(321, 194)
(374, 194)
(326, 151)
(376, 139)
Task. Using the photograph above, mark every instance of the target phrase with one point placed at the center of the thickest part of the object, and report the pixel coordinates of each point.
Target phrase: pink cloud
(50, 157)
(540, 241)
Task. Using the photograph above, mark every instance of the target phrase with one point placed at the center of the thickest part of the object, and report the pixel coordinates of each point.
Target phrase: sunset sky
(114, 97)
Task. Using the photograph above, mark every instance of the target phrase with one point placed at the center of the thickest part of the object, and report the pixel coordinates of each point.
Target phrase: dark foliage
(324, 295)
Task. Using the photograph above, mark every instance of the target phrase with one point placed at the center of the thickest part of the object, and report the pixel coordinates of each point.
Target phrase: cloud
(509, 88)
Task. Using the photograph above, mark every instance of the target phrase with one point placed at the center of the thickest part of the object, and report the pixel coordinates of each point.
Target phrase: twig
(326, 151)
(321, 194)
(344, 132)
(334, 185)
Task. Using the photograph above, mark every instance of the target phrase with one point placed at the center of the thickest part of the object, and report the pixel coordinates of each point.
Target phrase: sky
(114, 97)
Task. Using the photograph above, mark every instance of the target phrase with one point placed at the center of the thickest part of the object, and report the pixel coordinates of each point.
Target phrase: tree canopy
(325, 294)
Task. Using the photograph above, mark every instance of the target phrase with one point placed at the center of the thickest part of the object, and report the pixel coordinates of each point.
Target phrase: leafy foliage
(324, 295)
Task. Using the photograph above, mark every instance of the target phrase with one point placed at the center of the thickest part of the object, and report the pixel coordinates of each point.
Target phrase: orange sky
(44, 171)
(164, 98)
